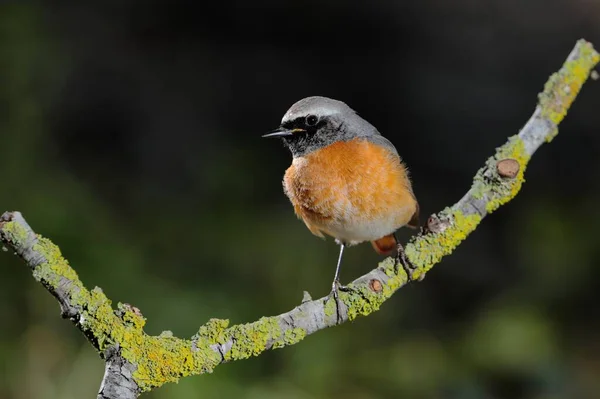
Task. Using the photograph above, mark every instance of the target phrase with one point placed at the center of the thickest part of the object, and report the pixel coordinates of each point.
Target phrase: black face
(309, 133)
(308, 124)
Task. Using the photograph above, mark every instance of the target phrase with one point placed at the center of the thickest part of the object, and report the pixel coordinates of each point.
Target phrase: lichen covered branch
(138, 362)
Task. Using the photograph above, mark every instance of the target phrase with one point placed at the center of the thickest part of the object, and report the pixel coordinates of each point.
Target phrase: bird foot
(336, 287)
(407, 265)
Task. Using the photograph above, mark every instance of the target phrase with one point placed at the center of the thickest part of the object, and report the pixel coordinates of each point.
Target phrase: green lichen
(362, 301)
(159, 359)
(291, 337)
(164, 358)
(330, 307)
(131, 315)
(212, 331)
(396, 280)
(562, 88)
(253, 338)
(427, 250)
(497, 190)
(56, 267)
(14, 233)
(56, 271)
(248, 339)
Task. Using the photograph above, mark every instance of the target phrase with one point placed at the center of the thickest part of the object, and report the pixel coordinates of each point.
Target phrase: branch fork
(137, 362)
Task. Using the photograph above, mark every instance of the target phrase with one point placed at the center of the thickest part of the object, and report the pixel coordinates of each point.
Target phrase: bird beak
(283, 132)
(279, 132)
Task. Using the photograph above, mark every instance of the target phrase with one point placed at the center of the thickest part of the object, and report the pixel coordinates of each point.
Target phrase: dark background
(130, 135)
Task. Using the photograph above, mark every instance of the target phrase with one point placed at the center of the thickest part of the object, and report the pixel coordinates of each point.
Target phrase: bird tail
(388, 244)
(385, 245)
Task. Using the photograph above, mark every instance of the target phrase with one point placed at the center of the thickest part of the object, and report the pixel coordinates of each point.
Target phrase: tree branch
(137, 362)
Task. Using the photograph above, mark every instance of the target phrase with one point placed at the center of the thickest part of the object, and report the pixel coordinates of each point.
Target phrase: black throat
(313, 138)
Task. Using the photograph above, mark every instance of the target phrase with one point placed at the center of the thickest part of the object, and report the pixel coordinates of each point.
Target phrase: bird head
(316, 122)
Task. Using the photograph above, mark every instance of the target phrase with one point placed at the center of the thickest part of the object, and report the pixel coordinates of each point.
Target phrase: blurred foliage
(130, 137)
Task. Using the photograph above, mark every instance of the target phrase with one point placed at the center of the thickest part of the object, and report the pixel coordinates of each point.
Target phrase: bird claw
(407, 265)
(335, 288)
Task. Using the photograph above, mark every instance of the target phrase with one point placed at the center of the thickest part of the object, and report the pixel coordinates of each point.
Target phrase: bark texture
(137, 362)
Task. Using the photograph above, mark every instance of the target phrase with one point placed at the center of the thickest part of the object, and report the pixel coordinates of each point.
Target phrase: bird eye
(311, 120)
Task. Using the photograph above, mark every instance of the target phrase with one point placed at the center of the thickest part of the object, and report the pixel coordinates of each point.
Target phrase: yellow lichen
(213, 331)
(252, 339)
(58, 265)
(395, 281)
(427, 250)
(158, 360)
(501, 189)
(164, 358)
(562, 87)
(360, 300)
(489, 185)
(330, 307)
(131, 316)
(363, 302)
(290, 337)
(14, 233)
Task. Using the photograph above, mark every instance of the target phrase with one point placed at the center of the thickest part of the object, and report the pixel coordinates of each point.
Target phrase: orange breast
(354, 191)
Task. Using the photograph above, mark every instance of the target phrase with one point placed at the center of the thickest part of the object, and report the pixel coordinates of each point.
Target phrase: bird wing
(382, 141)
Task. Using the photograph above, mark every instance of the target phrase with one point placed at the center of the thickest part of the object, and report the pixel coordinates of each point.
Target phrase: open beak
(282, 132)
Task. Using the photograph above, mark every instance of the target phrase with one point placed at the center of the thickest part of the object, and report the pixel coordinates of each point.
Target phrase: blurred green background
(130, 136)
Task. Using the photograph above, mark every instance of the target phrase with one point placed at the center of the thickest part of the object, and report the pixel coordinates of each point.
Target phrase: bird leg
(336, 286)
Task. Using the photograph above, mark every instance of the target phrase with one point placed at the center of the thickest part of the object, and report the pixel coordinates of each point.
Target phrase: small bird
(346, 180)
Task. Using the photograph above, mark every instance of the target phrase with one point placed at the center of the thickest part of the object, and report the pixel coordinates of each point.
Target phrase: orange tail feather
(385, 245)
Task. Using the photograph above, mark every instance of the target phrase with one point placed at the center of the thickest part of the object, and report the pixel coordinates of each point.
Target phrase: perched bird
(346, 180)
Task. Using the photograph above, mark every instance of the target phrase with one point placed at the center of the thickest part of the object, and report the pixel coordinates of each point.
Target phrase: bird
(346, 180)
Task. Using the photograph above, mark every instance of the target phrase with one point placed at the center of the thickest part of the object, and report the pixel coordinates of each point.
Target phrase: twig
(137, 362)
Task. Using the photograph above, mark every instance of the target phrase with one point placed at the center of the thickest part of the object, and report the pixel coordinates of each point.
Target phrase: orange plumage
(346, 179)
(354, 191)
(385, 245)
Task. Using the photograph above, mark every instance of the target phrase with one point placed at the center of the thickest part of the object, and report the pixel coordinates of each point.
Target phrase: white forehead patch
(319, 106)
